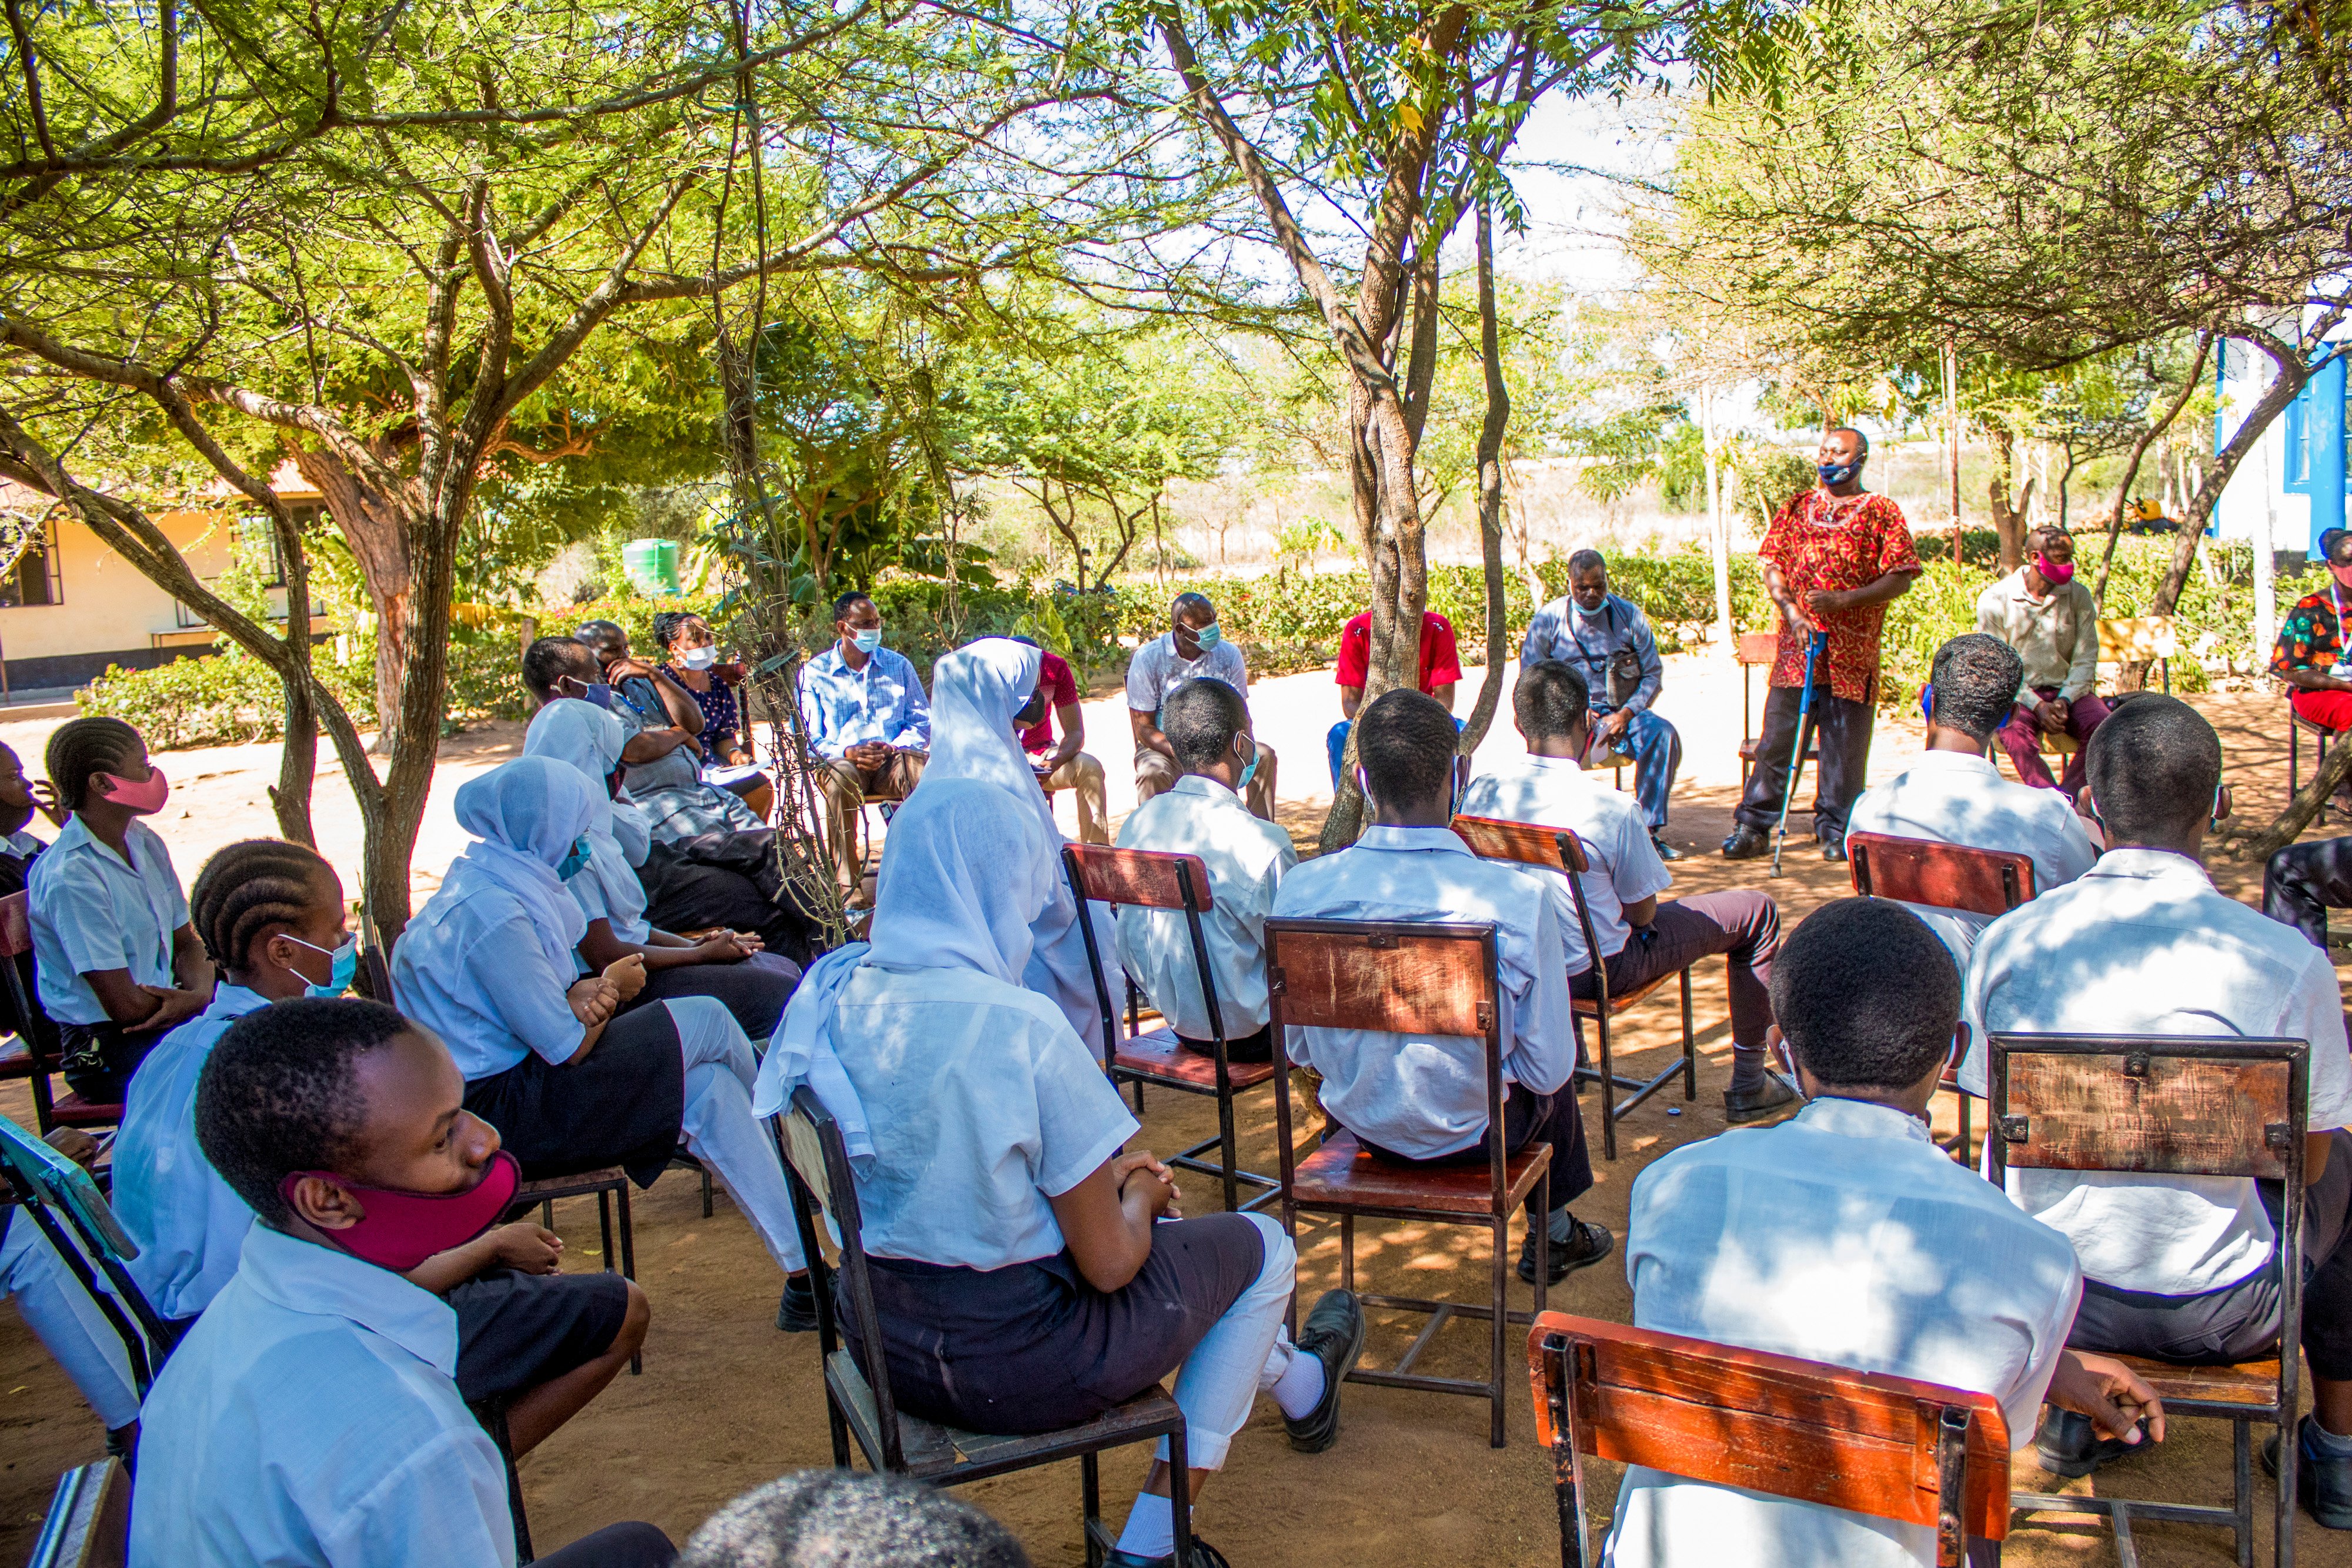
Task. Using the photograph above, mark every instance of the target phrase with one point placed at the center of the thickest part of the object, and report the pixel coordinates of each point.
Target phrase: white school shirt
(23, 844)
(93, 910)
(1156, 670)
(1556, 793)
(1425, 1095)
(2141, 944)
(1845, 1236)
(476, 976)
(981, 1104)
(310, 1418)
(1247, 858)
(190, 1224)
(1956, 798)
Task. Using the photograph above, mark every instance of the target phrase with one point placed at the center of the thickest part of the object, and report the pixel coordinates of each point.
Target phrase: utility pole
(1718, 535)
(1951, 367)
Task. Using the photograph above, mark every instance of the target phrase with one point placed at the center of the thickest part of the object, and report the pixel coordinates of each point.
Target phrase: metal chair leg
(1690, 1042)
(1179, 1493)
(1608, 1087)
(1497, 1324)
(1090, 1502)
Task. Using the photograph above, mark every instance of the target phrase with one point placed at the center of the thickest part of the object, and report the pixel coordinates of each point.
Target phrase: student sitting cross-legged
(1640, 937)
(1023, 1280)
(1424, 1101)
(2181, 1267)
(1844, 1235)
(1208, 724)
(310, 1418)
(533, 1344)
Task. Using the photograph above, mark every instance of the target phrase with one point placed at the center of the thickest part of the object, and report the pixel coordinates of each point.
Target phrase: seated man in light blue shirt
(310, 1417)
(868, 723)
(1608, 641)
(1423, 1102)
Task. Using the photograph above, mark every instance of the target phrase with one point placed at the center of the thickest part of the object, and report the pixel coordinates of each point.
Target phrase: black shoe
(1202, 1555)
(2323, 1483)
(1746, 843)
(1767, 1099)
(1833, 849)
(2069, 1446)
(796, 1314)
(1334, 1335)
(1666, 852)
(1586, 1245)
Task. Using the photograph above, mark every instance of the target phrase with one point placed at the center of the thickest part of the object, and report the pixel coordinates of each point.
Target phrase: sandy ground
(726, 1402)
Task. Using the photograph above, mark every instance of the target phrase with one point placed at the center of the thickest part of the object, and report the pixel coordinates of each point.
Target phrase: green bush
(223, 699)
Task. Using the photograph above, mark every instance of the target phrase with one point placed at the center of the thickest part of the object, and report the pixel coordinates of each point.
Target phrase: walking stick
(1814, 645)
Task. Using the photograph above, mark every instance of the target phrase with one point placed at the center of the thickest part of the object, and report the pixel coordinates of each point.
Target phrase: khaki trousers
(846, 788)
(1084, 775)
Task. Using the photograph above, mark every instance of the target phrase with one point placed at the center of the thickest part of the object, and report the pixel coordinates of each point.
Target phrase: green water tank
(652, 565)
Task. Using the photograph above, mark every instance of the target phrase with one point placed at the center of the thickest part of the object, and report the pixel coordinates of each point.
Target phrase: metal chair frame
(88, 1522)
(50, 1110)
(1755, 650)
(73, 1216)
(2322, 737)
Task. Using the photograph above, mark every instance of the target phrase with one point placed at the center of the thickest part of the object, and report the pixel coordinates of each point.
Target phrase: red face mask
(401, 1230)
(145, 796)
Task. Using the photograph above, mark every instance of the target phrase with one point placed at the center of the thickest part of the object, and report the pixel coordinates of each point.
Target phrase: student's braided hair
(82, 747)
(247, 887)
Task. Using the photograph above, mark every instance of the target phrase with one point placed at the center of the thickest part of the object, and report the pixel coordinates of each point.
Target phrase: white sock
(1150, 1528)
(1300, 1387)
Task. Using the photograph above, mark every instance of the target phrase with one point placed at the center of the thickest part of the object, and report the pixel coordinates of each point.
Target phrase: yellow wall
(109, 607)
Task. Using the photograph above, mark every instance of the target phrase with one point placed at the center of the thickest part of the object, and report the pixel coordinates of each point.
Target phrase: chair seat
(2251, 1383)
(73, 1111)
(1341, 1175)
(1607, 760)
(932, 1449)
(1157, 1058)
(547, 1188)
(16, 1059)
(2059, 745)
(1590, 1008)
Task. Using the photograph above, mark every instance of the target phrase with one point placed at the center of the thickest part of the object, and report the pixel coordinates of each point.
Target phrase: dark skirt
(517, 1331)
(622, 1106)
(97, 1059)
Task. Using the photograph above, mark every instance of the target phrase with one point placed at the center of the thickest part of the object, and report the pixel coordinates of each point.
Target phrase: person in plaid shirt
(1834, 557)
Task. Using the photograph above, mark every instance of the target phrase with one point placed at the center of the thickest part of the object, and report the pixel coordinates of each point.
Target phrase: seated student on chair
(1190, 648)
(2313, 655)
(1608, 639)
(272, 916)
(59, 1310)
(310, 1418)
(1065, 764)
(2180, 1267)
(2050, 619)
(1208, 724)
(1440, 673)
(1952, 793)
(1020, 1280)
(571, 1082)
(1844, 1235)
(1641, 938)
(117, 965)
(868, 724)
(1423, 1102)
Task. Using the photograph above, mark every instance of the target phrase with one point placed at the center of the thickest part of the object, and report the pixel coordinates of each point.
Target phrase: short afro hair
(1200, 719)
(547, 661)
(2154, 767)
(1976, 677)
(278, 1096)
(603, 638)
(851, 601)
(1861, 442)
(249, 887)
(1584, 560)
(1189, 602)
(1550, 699)
(1866, 995)
(82, 746)
(839, 1519)
(1405, 743)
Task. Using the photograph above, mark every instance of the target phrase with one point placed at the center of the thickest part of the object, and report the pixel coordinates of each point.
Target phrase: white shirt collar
(304, 1277)
(1441, 838)
(2151, 866)
(1861, 1119)
(1956, 761)
(1205, 787)
(76, 835)
(234, 1001)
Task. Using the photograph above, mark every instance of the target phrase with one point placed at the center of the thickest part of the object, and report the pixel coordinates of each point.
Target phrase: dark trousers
(615, 1546)
(1528, 1118)
(2303, 882)
(1744, 926)
(1840, 729)
(1256, 1047)
(97, 1059)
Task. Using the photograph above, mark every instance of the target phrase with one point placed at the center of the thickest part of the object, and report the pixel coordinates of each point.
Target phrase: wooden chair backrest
(1391, 976)
(1496, 839)
(88, 1522)
(2163, 1105)
(1870, 1444)
(1149, 879)
(1758, 647)
(15, 925)
(2139, 637)
(1947, 876)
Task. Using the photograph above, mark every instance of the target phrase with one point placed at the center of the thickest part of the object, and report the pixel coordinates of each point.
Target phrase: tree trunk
(1490, 490)
(2008, 517)
(374, 526)
(297, 756)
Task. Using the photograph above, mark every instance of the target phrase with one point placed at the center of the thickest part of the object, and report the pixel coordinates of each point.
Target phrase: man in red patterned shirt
(1834, 557)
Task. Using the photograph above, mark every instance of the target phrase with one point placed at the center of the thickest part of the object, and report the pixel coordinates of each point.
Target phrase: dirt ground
(726, 1402)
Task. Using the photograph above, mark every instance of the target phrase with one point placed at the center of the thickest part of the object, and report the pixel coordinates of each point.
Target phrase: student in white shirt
(272, 916)
(1423, 1100)
(1022, 1281)
(2181, 1267)
(1953, 794)
(1640, 938)
(1191, 649)
(117, 963)
(310, 1417)
(1845, 1236)
(20, 798)
(1208, 724)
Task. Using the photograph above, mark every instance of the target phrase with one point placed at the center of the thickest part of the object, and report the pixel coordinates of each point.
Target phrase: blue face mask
(1838, 473)
(597, 692)
(1249, 771)
(868, 640)
(1209, 637)
(343, 963)
(575, 860)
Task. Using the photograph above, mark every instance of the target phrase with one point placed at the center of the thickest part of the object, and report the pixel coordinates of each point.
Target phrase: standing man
(868, 723)
(1834, 557)
(1193, 648)
(1610, 643)
(1441, 671)
(1066, 766)
(2052, 621)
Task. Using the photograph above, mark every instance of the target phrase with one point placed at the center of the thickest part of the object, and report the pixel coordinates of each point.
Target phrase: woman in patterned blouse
(686, 638)
(2311, 657)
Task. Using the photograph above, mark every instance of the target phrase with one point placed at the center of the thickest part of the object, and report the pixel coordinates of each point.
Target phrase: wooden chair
(49, 1109)
(61, 1199)
(1943, 876)
(1495, 838)
(817, 1165)
(610, 1187)
(1755, 649)
(2175, 1105)
(88, 1522)
(1148, 879)
(1424, 979)
(1891, 1447)
(2139, 637)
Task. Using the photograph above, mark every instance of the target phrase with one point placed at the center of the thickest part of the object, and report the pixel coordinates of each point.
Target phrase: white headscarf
(588, 740)
(526, 815)
(975, 692)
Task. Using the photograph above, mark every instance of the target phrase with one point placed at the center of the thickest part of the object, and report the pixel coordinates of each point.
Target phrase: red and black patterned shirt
(1839, 543)
(2312, 638)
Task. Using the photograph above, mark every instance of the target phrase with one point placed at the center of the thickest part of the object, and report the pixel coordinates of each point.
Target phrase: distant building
(2294, 480)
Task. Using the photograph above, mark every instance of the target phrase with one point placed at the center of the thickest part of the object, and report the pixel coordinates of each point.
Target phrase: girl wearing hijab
(1029, 1274)
(730, 965)
(571, 1082)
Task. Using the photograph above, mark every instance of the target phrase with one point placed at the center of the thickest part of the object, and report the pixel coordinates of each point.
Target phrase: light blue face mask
(1249, 771)
(1209, 637)
(868, 640)
(575, 860)
(343, 963)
